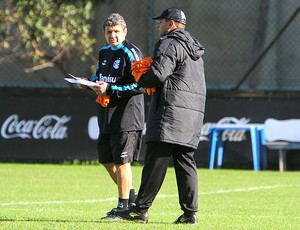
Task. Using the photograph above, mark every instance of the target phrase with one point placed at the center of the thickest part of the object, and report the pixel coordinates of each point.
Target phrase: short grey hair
(114, 19)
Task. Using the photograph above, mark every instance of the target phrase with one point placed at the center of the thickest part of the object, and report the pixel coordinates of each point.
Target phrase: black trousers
(157, 158)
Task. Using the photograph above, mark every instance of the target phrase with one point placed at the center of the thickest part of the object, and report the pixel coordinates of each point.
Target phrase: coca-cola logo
(47, 127)
(230, 135)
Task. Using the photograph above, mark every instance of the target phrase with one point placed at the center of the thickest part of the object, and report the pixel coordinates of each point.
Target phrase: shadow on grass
(48, 220)
(75, 221)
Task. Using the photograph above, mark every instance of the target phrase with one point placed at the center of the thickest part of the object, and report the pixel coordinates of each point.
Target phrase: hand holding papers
(101, 99)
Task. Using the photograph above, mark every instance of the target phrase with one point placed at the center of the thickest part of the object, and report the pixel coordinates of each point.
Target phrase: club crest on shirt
(116, 64)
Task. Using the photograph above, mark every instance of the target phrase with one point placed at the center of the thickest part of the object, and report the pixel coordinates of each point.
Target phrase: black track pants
(157, 158)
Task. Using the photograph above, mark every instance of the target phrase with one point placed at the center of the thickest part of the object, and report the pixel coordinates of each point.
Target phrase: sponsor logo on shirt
(107, 79)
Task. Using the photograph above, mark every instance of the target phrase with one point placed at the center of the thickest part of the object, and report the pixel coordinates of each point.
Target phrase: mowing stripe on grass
(158, 196)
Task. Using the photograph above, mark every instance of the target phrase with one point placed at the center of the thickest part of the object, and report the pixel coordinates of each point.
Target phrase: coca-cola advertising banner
(57, 125)
(47, 125)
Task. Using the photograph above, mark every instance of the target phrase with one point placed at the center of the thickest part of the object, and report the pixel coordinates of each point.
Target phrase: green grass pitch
(45, 196)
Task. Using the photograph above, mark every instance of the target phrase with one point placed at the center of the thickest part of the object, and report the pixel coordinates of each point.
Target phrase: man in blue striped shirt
(121, 121)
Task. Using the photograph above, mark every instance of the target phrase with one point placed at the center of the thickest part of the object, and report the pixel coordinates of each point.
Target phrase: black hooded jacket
(177, 108)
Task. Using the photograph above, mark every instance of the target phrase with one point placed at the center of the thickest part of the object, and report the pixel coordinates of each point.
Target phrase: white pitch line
(246, 189)
(58, 202)
(221, 191)
(158, 196)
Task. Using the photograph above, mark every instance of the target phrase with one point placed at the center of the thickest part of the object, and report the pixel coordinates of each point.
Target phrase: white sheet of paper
(77, 80)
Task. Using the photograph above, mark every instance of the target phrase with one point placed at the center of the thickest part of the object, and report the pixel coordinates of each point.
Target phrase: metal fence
(249, 44)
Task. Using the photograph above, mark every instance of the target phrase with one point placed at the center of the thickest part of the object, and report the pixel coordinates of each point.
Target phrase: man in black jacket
(175, 117)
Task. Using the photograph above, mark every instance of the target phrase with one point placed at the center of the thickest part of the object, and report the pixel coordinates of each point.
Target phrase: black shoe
(186, 220)
(133, 215)
(111, 217)
(111, 214)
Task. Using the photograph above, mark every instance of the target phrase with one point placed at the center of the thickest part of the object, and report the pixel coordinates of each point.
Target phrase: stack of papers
(77, 80)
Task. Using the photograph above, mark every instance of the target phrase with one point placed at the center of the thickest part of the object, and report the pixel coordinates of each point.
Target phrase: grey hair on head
(114, 19)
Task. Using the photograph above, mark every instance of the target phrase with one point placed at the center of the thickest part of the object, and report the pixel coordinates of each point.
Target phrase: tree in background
(45, 31)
